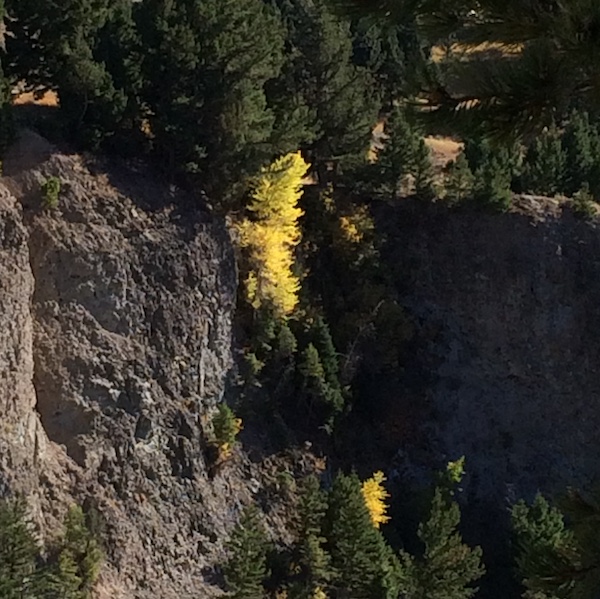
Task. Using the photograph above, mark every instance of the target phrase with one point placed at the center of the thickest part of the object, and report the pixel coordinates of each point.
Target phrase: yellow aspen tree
(273, 233)
(375, 497)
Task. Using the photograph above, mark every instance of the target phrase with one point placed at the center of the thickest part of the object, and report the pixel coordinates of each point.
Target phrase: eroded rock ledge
(115, 340)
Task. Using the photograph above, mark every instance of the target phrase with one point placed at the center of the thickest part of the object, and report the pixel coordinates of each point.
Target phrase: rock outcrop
(115, 343)
(507, 314)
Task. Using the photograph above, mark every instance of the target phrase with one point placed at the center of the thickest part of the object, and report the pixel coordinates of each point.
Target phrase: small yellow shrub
(226, 428)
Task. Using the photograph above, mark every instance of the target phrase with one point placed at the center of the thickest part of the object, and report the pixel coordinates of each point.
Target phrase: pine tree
(273, 234)
(581, 143)
(363, 564)
(512, 93)
(546, 550)
(328, 357)
(337, 97)
(583, 203)
(226, 428)
(400, 156)
(392, 52)
(246, 568)
(492, 184)
(206, 64)
(63, 54)
(422, 171)
(459, 181)
(79, 559)
(545, 164)
(20, 577)
(447, 568)
(312, 558)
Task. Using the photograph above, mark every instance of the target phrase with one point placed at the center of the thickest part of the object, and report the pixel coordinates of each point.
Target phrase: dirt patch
(443, 150)
(49, 98)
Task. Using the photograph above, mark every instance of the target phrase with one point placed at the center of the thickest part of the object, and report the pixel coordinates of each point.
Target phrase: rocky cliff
(115, 343)
(116, 313)
(507, 312)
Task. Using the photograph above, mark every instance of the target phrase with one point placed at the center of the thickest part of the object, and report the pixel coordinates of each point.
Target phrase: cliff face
(507, 314)
(115, 342)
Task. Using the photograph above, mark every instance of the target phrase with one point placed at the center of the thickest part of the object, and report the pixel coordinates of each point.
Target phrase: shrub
(226, 428)
(583, 203)
(50, 192)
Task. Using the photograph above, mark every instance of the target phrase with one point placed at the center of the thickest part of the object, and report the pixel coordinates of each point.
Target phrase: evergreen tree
(492, 177)
(319, 376)
(79, 559)
(246, 568)
(401, 155)
(20, 577)
(581, 143)
(49, 52)
(545, 165)
(328, 357)
(423, 172)
(556, 559)
(459, 181)
(336, 96)
(393, 53)
(447, 568)
(546, 549)
(206, 65)
(312, 557)
(583, 203)
(507, 93)
(364, 565)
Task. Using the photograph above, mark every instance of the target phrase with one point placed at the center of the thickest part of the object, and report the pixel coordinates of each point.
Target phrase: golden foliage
(226, 447)
(355, 226)
(273, 233)
(375, 496)
(226, 428)
(318, 593)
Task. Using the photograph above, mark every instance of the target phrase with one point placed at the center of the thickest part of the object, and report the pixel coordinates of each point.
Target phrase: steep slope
(505, 356)
(114, 346)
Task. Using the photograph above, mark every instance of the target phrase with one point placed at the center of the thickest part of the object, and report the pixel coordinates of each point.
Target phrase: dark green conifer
(492, 184)
(20, 577)
(392, 52)
(422, 171)
(399, 155)
(447, 568)
(246, 568)
(548, 556)
(581, 143)
(328, 356)
(338, 97)
(79, 559)
(459, 181)
(312, 558)
(584, 205)
(363, 565)
(48, 52)
(205, 71)
(545, 165)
